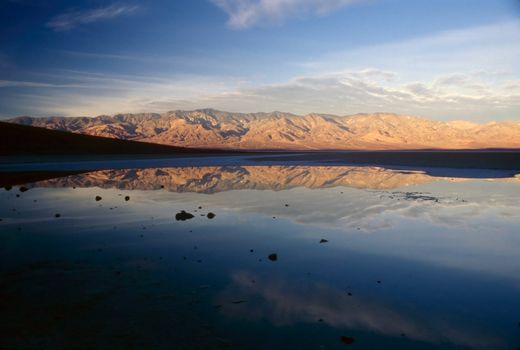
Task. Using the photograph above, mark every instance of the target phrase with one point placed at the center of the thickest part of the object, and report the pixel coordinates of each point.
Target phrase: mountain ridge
(210, 128)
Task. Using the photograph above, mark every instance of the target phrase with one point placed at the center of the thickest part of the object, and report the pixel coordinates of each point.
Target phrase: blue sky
(442, 59)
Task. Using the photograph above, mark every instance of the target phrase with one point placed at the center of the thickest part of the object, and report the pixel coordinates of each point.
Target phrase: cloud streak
(280, 303)
(348, 92)
(472, 75)
(72, 19)
(248, 13)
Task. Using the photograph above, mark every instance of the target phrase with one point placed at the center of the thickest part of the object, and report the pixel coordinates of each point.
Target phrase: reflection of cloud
(278, 301)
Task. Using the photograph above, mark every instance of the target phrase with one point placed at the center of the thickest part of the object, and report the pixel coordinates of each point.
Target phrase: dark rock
(323, 240)
(23, 189)
(273, 257)
(211, 215)
(8, 187)
(183, 216)
(347, 340)
(57, 215)
(127, 198)
(98, 198)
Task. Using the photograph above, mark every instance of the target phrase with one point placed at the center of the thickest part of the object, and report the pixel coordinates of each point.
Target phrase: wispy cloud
(69, 20)
(281, 303)
(470, 73)
(465, 96)
(447, 96)
(247, 13)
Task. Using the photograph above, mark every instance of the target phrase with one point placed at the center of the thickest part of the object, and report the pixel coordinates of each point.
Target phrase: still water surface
(296, 257)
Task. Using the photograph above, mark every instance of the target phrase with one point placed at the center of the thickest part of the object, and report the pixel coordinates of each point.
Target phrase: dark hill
(18, 139)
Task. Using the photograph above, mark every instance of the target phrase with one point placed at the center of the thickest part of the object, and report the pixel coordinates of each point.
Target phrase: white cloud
(449, 96)
(491, 48)
(471, 74)
(456, 96)
(72, 19)
(247, 13)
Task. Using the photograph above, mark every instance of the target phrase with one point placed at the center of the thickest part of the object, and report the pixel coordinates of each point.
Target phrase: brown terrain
(226, 178)
(210, 128)
(16, 139)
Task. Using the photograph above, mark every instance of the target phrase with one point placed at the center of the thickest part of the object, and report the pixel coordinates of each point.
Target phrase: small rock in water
(346, 339)
(200, 207)
(210, 215)
(23, 189)
(273, 257)
(287, 205)
(98, 198)
(127, 198)
(183, 216)
(323, 241)
(251, 250)
(57, 215)
(8, 187)
(378, 281)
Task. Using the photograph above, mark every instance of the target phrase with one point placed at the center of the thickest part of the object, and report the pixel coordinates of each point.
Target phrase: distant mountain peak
(212, 128)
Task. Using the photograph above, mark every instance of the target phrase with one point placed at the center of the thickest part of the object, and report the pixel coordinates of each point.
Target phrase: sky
(439, 59)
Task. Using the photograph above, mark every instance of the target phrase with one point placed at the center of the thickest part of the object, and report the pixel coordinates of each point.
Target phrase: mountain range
(209, 128)
(226, 178)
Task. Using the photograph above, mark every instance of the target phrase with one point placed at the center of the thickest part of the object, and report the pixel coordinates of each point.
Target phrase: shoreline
(483, 159)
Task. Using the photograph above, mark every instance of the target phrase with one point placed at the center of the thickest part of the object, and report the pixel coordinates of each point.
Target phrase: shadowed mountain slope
(28, 140)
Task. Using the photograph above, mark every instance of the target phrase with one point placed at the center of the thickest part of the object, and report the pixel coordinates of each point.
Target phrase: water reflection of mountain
(225, 178)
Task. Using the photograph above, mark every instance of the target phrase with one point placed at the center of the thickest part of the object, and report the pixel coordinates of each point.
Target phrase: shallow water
(410, 261)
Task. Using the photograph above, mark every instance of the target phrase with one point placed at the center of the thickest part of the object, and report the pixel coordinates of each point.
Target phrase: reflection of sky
(430, 249)
(471, 219)
(282, 303)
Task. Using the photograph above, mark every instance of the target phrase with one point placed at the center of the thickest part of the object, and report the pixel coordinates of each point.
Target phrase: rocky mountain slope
(208, 128)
